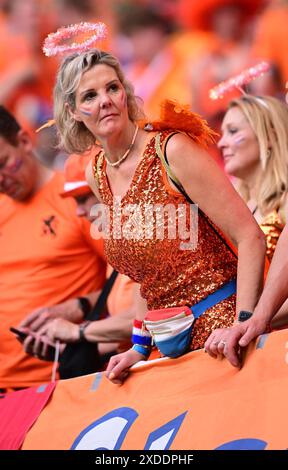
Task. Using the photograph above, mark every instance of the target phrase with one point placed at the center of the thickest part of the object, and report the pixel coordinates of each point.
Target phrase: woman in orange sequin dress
(129, 176)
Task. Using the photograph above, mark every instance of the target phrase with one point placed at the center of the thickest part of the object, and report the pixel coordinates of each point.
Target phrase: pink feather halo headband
(239, 81)
(52, 44)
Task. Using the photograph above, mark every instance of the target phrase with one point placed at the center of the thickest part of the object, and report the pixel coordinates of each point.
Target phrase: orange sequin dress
(168, 276)
(272, 226)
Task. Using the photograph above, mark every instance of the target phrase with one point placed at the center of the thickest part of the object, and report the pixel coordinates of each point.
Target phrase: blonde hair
(73, 135)
(268, 117)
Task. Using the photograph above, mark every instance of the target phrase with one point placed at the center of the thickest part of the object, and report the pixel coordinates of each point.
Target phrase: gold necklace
(120, 160)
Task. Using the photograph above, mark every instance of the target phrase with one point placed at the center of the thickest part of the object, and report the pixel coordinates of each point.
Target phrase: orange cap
(74, 171)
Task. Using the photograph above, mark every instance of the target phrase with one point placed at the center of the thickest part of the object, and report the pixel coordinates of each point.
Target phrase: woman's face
(101, 101)
(239, 145)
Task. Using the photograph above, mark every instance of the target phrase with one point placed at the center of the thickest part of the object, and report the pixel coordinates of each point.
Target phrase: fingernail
(111, 376)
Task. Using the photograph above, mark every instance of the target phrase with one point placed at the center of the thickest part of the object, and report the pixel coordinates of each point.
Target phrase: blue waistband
(221, 294)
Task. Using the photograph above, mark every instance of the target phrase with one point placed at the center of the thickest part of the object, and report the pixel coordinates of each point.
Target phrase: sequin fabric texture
(272, 227)
(169, 276)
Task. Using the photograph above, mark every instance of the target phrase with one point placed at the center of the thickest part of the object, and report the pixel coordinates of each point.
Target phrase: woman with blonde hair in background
(254, 146)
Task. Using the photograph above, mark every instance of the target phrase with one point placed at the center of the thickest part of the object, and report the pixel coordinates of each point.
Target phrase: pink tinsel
(52, 44)
(239, 81)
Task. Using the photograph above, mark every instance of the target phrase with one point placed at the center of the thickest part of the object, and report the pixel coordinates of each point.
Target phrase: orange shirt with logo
(46, 257)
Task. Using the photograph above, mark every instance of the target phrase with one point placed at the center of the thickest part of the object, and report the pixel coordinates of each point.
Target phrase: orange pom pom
(175, 116)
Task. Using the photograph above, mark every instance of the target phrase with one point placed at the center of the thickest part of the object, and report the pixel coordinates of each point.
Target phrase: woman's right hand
(230, 341)
(118, 366)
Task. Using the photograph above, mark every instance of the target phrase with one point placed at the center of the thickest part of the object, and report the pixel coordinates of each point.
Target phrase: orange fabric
(121, 297)
(198, 14)
(166, 76)
(271, 39)
(10, 69)
(46, 257)
(175, 192)
(220, 59)
(174, 115)
(272, 226)
(211, 403)
(17, 44)
(30, 73)
(169, 276)
(120, 300)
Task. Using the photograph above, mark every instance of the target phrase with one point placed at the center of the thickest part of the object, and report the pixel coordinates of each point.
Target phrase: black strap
(182, 191)
(100, 304)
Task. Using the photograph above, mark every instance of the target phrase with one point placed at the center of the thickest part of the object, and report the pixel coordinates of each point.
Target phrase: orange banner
(193, 402)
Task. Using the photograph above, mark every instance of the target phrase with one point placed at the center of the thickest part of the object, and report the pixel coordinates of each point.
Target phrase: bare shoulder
(196, 170)
(181, 149)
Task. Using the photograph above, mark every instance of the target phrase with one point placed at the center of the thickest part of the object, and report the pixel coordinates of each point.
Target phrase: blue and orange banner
(193, 402)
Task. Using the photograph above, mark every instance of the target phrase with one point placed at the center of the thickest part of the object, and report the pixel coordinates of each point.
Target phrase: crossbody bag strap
(163, 157)
(164, 160)
(101, 302)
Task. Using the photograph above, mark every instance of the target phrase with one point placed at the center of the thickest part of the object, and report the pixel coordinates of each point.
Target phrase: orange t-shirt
(120, 300)
(46, 257)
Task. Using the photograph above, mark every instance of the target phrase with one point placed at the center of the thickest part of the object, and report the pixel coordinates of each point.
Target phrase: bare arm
(209, 187)
(111, 329)
(116, 328)
(69, 310)
(118, 367)
(280, 320)
(140, 304)
(274, 294)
